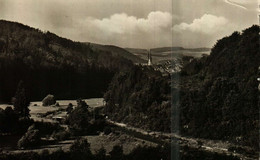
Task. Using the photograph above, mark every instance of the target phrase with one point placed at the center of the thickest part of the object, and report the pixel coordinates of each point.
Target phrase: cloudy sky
(132, 23)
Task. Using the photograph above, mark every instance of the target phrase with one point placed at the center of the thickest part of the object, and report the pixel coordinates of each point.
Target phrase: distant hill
(166, 49)
(48, 63)
(116, 51)
(137, 51)
(166, 53)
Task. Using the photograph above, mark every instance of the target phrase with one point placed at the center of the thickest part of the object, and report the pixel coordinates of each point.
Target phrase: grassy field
(96, 141)
(36, 108)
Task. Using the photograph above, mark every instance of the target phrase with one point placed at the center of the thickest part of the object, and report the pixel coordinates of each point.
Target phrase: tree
(69, 108)
(80, 150)
(101, 154)
(48, 100)
(117, 153)
(30, 139)
(21, 101)
(79, 118)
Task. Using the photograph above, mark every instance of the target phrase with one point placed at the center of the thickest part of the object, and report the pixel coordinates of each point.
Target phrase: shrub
(21, 101)
(69, 108)
(57, 104)
(107, 130)
(61, 135)
(117, 153)
(47, 128)
(30, 139)
(79, 118)
(101, 154)
(48, 100)
(80, 149)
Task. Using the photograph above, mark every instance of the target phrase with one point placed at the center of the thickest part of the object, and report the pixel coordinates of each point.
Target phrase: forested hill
(116, 51)
(218, 94)
(48, 63)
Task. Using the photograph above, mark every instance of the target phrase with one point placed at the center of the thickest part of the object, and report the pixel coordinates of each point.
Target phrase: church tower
(149, 58)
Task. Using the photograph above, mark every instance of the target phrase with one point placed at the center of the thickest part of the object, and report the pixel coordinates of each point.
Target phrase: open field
(36, 108)
(96, 141)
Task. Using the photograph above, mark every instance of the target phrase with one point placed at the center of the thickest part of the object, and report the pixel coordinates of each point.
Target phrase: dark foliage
(79, 119)
(49, 100)
(48, 63)
(21, 101)
(11, 123)
(82, 121)
(8, 120)
(61, 135)
(140, 97)
(80, 151)
(47, 128)
(30, 139)
(219, 99)
(101, 154)
(69, 108)
(215, 97)
(117, 153)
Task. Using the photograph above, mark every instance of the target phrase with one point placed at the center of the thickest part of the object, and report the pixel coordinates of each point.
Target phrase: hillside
(116, 51)
(167, 53)
(214, 97)
(48, 63)
(219, 92)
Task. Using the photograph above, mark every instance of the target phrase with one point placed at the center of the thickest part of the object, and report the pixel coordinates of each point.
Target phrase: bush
(30, 139)
(117, 153)
(62, 135)
(79, 119)
(48, 100)
(80, 150)
(101, 154)
(57, 104)
(107, 130)
(69, 108)
(8, 120)
(47, 128)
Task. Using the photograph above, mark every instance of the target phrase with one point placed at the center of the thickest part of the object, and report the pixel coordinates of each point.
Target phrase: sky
(136, 24)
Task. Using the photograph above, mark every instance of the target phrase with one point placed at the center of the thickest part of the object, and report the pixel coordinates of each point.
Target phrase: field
(36, 108)
(96, 141)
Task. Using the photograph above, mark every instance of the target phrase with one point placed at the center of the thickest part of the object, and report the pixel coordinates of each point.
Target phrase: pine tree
(21, 101)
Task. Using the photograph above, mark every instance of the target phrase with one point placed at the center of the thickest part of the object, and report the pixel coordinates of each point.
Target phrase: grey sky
(132, 23)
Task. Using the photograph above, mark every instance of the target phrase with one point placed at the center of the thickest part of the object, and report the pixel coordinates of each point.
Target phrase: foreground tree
(21, 101)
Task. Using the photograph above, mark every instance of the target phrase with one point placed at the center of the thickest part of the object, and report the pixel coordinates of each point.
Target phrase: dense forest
(140, 97)
(48, 63)
(214, 97)
(219, 94)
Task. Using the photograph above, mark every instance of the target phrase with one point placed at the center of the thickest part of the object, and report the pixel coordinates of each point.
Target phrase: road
(201, 144)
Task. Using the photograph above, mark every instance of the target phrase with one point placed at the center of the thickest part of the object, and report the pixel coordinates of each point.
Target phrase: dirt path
(220, 147)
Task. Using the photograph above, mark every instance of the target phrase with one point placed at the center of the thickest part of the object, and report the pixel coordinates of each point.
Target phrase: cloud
(122, 23)
(128, 23)
(207, 24)
(203, 31)
(120, 28)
